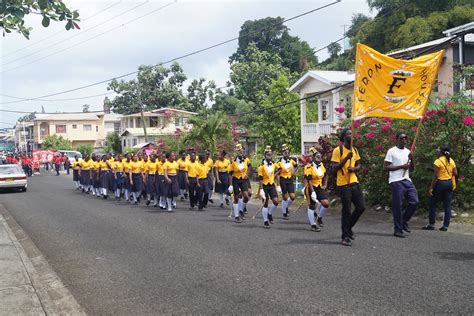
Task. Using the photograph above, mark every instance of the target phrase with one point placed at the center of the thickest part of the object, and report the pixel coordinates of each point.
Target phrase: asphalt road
(121, 259)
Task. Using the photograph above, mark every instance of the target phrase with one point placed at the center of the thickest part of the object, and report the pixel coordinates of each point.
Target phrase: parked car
(71, 154)
(12, 176)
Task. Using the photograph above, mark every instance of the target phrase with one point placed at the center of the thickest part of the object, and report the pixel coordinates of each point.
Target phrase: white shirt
(398, 157)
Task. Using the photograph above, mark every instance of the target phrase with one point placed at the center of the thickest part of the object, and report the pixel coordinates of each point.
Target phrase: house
(112, 123)
(79, 128)
(24, 139)
(7, 139)
(319, 115)
(159, 122)
(460, 51)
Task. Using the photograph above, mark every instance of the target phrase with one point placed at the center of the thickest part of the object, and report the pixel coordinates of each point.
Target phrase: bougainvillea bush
(448, 122)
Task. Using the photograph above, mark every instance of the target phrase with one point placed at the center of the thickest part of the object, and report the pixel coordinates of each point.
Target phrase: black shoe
(270, 218)
(105, 197)
(351, 235)
(315, 228)
(135, 202)
(428, 227)
(320, 221)
(399, 234)
(346, 242)
(242, 215)
(286, 216)
(201, 209)
(182, 198)
(406, 228)
(238, 220)
(444, 229)
(266, 225)
(186, 196)
(227, 202)
(211, 201)
(147, 202)
(245, 209)
(222, 205)
(155, 205)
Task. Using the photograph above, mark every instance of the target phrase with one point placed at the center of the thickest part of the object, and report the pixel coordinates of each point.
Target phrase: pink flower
(386, 127)
(373, 128)
(373, 121)
(359, 143)
(379, 147)
(392, 138)
(414, 128)
(357, 123)
(450, 103)
(467, 120)
(167, 114)
(365, 171)
(370, 135)
(387, 120)
(161, 145)
(442, 119)
(461, 178)
(357, 135)
(472, 103)
(340, 109)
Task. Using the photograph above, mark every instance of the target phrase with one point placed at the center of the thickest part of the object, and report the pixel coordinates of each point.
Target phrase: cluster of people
(31, 165)
(162, 178)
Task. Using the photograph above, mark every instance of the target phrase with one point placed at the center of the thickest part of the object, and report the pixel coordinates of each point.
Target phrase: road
(117, 258)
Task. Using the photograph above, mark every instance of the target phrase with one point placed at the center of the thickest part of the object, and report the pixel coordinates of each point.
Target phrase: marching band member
(267, 190)
(170, 169)
(238, 184)
(314, 172)
(221, 174)
(287, 167)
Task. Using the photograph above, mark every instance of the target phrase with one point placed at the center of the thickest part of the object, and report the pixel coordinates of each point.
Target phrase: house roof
(68, 117)
(112, 117)
(328, 77)
(160, 112)
(468, 38)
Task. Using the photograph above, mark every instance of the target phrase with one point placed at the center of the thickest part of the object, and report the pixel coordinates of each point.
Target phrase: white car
(12, 176)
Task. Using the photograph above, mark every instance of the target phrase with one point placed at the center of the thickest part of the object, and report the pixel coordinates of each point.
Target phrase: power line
(52, 100)
(59, 32)
(29, 112)
(185, 55)
(69, 38)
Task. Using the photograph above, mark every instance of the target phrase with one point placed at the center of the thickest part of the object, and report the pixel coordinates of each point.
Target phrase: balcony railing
(313, 130)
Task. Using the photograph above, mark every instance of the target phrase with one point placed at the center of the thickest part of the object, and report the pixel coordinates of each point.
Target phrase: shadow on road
(457, 256)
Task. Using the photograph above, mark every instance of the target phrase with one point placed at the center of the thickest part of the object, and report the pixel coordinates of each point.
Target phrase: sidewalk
(23, 290)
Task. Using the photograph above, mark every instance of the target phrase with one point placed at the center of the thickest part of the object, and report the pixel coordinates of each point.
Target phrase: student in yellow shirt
(210, 175)
(75, 172)
(104, 175)
(160, 181)
(238, 184)
(136, 180)
(202, 170)
(442, 186)
(170, 169)
(182, 162)
(95, 176)
(84, 173)
(315, 184)
(221, 174)
(267, 190)
(118, 178)
(127, 179)
(192, 180)
(346, 163)
(149, 170)
(287, 167)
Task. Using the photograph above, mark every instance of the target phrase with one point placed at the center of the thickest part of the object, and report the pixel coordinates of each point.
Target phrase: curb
(45, 282)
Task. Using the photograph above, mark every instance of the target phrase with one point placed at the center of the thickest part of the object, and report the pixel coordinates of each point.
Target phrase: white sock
(117, 193)
(243, 205)
(272, 209)
(311, 216)
(135, 196)
(236, 210)
(104, 191)
(284, 203)
(127, 195)
(265, 214)
(322, 211)
(240, 204)
(289, 202)
(173, 200)
(168, 200)
(97, 190)
(210, 195)
(155, 200)
(162, 201)
(148, 197)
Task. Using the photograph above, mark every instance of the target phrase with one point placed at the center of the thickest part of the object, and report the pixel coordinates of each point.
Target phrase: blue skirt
(75, 175)
(172, 189)
(137, 185)
(160, 185)
(224, 185)
(119, 180)
(182, 179)
(86, 177)
(150, 185)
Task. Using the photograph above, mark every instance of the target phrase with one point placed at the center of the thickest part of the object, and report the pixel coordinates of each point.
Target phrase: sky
(115, 38)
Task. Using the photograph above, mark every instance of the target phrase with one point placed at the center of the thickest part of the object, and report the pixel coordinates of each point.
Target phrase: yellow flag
(390, 87)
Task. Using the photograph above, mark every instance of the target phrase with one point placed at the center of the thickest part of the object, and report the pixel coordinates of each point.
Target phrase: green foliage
(14, 12)
(212, 133)
(279, 126)
(85, 149)
(113, 143)
(198, 93)
(155, 87)
(27, 117)
(333, 49)
(56, 142)
(130, 150)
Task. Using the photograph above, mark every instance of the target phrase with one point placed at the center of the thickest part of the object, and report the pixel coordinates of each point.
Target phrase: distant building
(7, 139)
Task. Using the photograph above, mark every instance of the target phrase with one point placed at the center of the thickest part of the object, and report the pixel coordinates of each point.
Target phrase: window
(97, 128)
(74, 126)
(325, 112)
(134, 142)
(154, 121)
(180, 121)
(61, 129)
(87, 127)
(124, 143)
(117, 128)
(139, 123)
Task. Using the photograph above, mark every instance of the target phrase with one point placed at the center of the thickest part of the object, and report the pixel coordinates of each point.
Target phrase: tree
(85, 108)
(13, 12)
(333, 49)
(155, 87)
(27, 117)
(85, 149)
(113, 143)
(209, 133)
(198, 93)
(56, 142)
(278, 126)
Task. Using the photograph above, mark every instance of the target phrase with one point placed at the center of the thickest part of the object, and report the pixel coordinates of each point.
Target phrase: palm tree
(208, 132)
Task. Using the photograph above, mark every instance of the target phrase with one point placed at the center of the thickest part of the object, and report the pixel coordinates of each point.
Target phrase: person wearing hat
(267, 190)
(442, 186)
(314, 174)
(345, 161)
(399, 162)
(287, 167)
(238, 184)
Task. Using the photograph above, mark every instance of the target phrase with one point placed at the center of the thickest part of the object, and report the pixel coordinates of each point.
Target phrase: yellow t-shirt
(135, 166)
(343, 175)
(118, 166)
(103, 165)
(183, 164)
(267, 173)
(445, 169)
(171, 167)
(192, 169)
(209, 164)
(150, 167)
(311, 173)
(76, 165)
(201, 170)
(85, 165)
(222, 165)
(286, 168)
(239, 169)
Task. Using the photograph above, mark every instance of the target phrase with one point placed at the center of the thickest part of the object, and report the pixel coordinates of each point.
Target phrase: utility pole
(141, 110)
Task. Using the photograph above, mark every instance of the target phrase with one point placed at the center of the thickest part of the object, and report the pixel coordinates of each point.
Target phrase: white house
(160, 122)
(319, 117)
